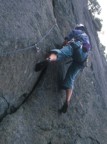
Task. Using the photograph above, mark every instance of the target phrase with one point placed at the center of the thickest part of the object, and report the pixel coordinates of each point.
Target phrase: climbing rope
(30, 47)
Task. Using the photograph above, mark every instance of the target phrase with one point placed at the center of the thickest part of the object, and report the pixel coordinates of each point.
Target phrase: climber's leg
(68, 95)
(68, 84)
(55, 55)
(65, 52)
(67, 102)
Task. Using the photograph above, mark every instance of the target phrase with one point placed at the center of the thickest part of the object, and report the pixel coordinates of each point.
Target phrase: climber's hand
(65, 42)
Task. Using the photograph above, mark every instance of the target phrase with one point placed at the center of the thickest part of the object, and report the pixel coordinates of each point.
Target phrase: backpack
(79, 35)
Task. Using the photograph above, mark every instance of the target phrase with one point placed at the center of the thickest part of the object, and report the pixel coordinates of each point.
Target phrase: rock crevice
(30, 100)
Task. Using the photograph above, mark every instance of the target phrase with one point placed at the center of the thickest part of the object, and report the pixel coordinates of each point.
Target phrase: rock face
(28, 100)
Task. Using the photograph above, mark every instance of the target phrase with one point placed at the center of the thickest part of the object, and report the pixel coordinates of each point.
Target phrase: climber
(77, 46)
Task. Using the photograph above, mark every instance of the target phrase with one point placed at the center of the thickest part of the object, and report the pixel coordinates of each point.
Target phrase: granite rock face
(29, 101)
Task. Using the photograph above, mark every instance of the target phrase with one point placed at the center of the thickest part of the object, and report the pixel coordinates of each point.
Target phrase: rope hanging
(30, 47)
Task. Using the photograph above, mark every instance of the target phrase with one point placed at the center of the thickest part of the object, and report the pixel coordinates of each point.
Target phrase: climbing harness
(30, 47)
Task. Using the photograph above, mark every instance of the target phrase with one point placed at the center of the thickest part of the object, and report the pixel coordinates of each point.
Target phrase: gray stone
(30, 101)
(3, 106)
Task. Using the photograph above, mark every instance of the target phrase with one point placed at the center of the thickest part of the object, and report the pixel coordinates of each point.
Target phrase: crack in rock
(7, 108)
(86, 138)
(4, 105)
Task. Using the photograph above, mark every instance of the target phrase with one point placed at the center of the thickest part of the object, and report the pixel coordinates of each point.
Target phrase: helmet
(79, 25)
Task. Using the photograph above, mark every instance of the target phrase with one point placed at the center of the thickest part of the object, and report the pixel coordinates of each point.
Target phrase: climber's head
(80, 27)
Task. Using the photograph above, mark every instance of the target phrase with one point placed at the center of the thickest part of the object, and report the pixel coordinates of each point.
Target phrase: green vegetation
(94, 7)
(95, 10)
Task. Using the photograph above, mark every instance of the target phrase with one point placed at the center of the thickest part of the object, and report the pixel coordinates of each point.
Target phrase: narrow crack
(73, 10)
(53, 4)
(6, 101)
(94, 140)
(89, 137)
(2, 115)
(30, 93)
(14, 108)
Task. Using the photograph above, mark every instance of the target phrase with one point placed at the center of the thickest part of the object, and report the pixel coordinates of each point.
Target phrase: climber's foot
(64, 108)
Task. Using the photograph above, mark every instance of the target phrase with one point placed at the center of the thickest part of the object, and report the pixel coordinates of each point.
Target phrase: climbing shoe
(41, 65)
(63, 108)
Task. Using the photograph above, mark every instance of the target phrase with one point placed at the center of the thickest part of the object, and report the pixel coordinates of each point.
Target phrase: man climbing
(77, 46)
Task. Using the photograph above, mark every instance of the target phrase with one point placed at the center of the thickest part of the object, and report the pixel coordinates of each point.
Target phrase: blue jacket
(81, 36)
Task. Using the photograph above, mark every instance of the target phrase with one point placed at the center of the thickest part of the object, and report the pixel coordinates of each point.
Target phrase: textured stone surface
(35, 97)
(3, 106)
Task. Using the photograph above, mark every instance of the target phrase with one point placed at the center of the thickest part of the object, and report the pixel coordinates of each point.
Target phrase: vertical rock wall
(37, 96)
